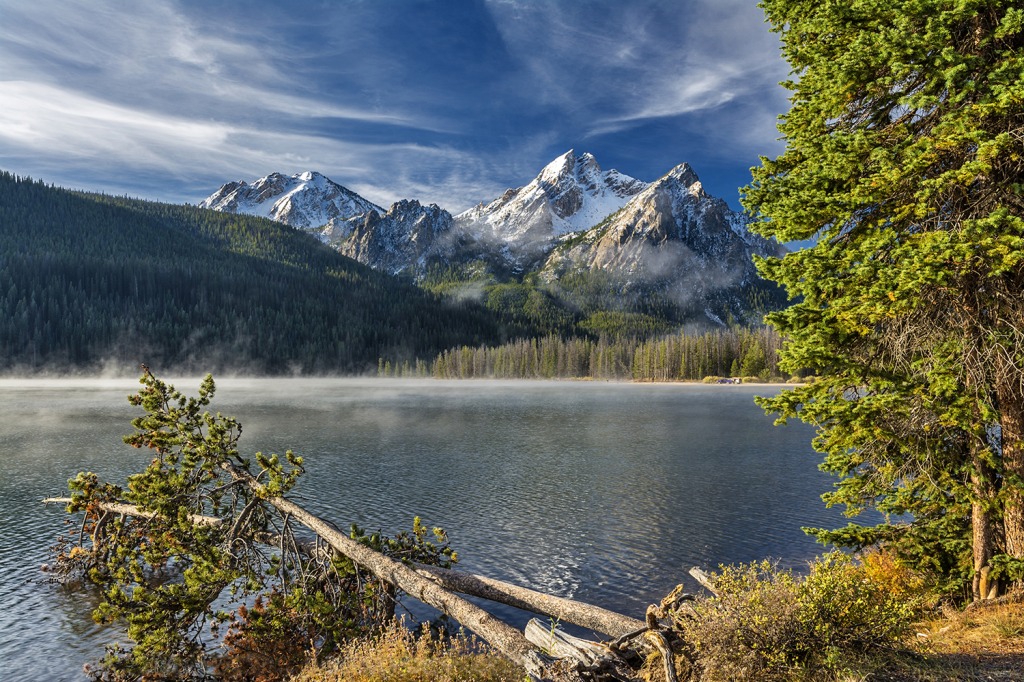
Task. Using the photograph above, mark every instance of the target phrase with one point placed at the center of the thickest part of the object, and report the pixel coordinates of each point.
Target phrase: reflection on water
(602, 492)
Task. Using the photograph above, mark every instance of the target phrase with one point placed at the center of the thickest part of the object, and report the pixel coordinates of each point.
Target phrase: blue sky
(449, 102)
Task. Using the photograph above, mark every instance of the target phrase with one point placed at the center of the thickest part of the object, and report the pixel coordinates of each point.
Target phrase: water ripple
(603, 493)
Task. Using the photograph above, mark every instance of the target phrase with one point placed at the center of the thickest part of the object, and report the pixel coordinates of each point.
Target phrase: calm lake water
(606, 493)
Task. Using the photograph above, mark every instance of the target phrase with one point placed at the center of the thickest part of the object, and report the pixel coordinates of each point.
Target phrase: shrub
(769, 624)
(397, 655)
(889, 573)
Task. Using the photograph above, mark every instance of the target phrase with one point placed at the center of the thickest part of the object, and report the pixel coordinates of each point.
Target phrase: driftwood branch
(667, 659)
(704, 579)
(132, 510)
(590, 660)
(556, 643)
(577, 613)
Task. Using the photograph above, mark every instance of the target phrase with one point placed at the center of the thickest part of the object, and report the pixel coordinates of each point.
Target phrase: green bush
(769, 624)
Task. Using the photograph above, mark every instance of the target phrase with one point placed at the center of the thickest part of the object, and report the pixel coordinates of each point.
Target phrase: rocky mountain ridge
(571, 194)
(306, 200)
(666, 241)
(674, 240)
(408, 236)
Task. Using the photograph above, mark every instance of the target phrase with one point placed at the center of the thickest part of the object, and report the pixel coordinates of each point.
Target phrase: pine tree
(904, 160)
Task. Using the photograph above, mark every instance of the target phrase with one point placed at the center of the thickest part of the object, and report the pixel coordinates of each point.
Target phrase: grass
(399, 655)
(982, 643)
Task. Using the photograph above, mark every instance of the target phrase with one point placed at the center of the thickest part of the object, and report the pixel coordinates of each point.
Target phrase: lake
(603, 492)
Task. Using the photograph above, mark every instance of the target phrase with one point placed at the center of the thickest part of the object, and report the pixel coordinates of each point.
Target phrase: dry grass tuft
(982, 643)
(397, 655)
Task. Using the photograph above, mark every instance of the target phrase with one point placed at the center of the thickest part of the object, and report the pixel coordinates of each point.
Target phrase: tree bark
(983, 527)
(577, 613)
(1011, 422)
(557, 643)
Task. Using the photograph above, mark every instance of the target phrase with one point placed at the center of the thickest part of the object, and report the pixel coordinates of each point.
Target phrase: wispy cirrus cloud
(642, 60)
(113, 142)
(449, 103)
(156, 57)
(653, 83)
(101, 97)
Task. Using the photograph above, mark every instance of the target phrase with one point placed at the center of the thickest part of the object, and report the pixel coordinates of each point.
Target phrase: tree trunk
(431, 585)
(983, 526)
(577, 613)
(1011, 422)
(567, 610)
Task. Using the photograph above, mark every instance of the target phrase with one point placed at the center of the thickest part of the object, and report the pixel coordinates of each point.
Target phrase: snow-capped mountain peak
(580, 193)
(561, 166)
(668, 240)
(307, 200)
(684, 175)
(570, 194)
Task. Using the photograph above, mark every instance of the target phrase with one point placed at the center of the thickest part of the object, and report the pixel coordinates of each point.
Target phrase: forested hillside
(90, 282)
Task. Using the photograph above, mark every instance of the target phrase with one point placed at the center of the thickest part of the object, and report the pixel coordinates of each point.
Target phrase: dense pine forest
(90, 283)
(735, 352)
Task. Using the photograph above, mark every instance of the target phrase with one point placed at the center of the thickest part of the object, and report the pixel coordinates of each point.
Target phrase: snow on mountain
(404, 239)
(674, 238)
(674, 210)
(570, 194)
(668, 239)
(306, 200)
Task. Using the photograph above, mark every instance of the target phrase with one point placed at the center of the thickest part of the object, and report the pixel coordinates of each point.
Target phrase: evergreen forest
(94, 283)
(735, 352)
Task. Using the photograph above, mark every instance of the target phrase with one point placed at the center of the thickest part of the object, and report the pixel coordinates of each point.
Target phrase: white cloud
(101, 90)
(155, 57)
(48, 120)
(657, 60)
(46, 123)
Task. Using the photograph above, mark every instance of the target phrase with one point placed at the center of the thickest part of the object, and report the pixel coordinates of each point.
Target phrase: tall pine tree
(905, 161)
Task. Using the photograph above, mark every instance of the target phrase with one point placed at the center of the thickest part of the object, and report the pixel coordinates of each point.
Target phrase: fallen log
(557, 643)
(501, 636)
(570, 611)
(193, 451)
(578, 613)
(581, 659)
(434, 586)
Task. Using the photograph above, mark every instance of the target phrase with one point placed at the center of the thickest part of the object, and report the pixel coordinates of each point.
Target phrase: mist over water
(607, 493)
